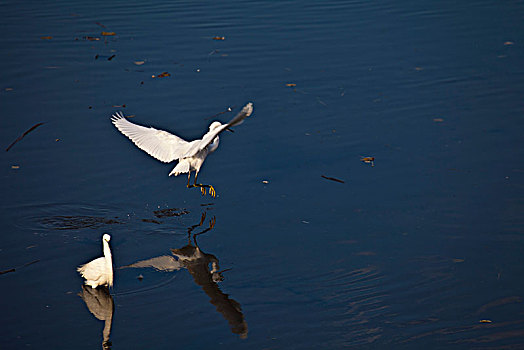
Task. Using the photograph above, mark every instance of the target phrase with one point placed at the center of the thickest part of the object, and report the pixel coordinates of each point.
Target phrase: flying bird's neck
(213, 145)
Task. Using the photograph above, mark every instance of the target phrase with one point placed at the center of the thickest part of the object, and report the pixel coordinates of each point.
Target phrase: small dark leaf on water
(111, 57)
(96, 57)
(332, 179)
(219, 38)
(23, 135)
(368, 160)
(46, 37)
(90, 107)
(108, 33)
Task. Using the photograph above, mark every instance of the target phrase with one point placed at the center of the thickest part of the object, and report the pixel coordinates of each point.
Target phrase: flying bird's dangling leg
(212, 191)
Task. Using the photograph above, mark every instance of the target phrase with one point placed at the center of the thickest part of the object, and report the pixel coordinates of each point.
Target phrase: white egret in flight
(167, 147)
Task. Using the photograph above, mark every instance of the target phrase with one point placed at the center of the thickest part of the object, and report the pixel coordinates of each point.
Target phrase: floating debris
(418, 69)
(265, 182)
(15, 166)
(332, 179)
(139, 63)
(119, 106)
(91, 38)
(140, 277)
(19, 267)
(485, 321)
(438, 120)
(229, 109)
(507, 43)
(161, 75)
(219, 38)
(111, 57)
(108, 33)
(23, 135)
(100, 24)
(170, 212)
(153, 221)
(368, 160)
(63, 222)
(46, 37)
(291, 84)
(8, 89)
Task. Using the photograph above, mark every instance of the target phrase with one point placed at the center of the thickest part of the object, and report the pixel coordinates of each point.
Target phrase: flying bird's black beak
(231, 130)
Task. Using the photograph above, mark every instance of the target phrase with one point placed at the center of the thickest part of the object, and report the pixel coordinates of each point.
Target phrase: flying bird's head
(106, 237)
(214, 125)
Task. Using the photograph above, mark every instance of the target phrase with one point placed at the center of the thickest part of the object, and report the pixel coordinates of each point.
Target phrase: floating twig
(229, 109)
(332, 179)
(14, 268)
(23, 135)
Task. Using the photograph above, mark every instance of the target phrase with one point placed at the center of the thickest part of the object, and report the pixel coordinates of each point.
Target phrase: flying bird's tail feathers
(181, 167)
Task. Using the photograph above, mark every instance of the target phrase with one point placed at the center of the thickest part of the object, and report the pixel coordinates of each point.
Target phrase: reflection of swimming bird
(101, 305)
(167, 147)
(99, 272)
(197, 263)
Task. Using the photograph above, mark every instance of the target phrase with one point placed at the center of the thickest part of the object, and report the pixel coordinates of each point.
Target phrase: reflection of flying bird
(197, 262)
(99, 272)
(167, 147)
(101, 305)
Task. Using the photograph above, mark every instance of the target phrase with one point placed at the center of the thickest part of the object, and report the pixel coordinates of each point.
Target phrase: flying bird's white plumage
(99, 272)
(167, 147)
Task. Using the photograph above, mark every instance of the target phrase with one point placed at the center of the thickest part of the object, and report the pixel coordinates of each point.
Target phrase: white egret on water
(167, 147)
(99, 272)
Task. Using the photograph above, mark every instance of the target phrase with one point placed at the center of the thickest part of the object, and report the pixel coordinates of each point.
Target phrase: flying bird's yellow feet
(212, 191)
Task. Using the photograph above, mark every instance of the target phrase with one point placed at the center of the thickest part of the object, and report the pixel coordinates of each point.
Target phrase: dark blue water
(423, 249)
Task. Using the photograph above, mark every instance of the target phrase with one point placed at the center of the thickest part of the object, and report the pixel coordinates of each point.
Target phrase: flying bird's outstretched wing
(210, 136)
(167, 147)
(160, 144)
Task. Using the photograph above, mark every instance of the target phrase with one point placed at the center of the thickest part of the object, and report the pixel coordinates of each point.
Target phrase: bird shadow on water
(205, 270)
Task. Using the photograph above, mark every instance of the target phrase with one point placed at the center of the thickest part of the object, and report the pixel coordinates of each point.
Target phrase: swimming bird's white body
(99, 272)
(167, 147)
